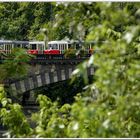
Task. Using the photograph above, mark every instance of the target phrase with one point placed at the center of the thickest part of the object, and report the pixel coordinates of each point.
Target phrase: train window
(54, 47)
(1, 46)
(33, 47)
(62, 47)
(58, 46)
(69, 45)
(77, 46)
(49, 46)
(8, 48)
(18, 45)
(25, 46)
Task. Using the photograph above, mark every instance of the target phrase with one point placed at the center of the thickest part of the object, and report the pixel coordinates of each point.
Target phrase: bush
(70, 53)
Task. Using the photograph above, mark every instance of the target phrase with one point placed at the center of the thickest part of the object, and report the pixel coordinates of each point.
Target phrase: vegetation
(109, 106)
(70, 53)
(15, 65)
(63, 92)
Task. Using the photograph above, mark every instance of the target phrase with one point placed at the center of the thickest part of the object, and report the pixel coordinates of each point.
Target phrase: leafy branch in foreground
(12, 117)
(15, 65)
(116, 109)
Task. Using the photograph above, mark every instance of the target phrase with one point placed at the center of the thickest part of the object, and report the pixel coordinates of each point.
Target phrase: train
(51, 50)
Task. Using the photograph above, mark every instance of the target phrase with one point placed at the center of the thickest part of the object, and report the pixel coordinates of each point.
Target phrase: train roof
(59, 42)
(21, 42)
(13, 42)
(82, 41)
(5, 41)
(36, 42)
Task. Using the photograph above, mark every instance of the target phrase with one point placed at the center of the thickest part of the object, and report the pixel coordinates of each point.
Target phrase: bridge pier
(28, 98)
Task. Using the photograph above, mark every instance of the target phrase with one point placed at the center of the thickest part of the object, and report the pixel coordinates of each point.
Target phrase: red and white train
(53, 49)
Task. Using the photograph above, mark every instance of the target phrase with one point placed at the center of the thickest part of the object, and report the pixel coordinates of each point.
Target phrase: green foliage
(15, 64)
(81, 70)
(63, 92)
(110, 106)
(117, 85)
(52, 120)
(70, 53)
(23, 21)
(12, 117)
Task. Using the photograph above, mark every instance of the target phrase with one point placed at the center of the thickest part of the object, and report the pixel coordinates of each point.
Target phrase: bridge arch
(43, 78)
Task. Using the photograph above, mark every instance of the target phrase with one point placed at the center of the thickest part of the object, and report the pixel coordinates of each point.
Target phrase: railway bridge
(45, 72)
(41, 73)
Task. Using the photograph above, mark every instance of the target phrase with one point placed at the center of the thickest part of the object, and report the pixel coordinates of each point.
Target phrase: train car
(62, 47)
(21, 44)
(55, 49)
(6, 46)
(58, 46)
(83, 48)
(36, 47)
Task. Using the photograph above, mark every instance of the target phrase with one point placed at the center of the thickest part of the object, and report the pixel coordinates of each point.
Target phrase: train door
(40, 48)
(8, 48)
(18, 45)
(60, 48)
(1, 51)
(69, 45)
(63, 48)
(1, 47)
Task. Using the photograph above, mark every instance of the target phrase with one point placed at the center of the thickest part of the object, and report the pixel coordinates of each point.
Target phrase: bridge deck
(58, 61)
